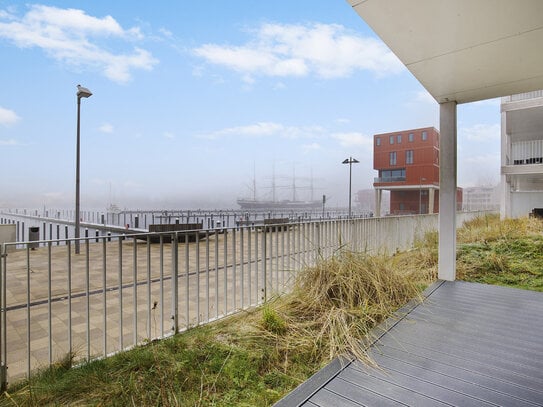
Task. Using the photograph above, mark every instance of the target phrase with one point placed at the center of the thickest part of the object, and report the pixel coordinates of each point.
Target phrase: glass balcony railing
(389, 179)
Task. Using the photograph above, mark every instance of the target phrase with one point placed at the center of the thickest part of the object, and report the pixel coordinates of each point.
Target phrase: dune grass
(256, 357)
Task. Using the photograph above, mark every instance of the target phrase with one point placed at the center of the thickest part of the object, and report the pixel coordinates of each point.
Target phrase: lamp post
(81, 93)
(350, 161)
(420, 193)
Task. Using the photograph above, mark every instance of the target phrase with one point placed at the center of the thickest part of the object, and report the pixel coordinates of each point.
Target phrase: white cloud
(306, 148)
(169, 135)
(8, 117)
(266, 129)
(323, 50)
(354, 139)
(106, 128)
(10, 142)
(424, 96)
(72, 36)
(482, 132)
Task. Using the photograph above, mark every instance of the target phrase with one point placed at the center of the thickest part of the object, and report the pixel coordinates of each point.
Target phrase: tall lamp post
(81, 93)
(350, 161)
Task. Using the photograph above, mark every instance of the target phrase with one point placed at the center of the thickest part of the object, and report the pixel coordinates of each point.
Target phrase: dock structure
(467, 344)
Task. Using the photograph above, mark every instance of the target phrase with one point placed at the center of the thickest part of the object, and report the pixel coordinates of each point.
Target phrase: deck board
(467, 344)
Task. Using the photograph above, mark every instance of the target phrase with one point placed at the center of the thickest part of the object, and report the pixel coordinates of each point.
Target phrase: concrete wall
(522, 203)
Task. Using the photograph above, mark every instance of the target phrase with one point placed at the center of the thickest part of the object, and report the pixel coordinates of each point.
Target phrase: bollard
(97, 234)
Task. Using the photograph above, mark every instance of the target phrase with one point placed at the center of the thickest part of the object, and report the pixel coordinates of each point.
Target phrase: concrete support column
(378, 195)
(431, 199)
(447, 191)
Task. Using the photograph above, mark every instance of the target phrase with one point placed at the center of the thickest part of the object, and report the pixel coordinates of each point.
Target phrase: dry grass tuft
(337, 302)
(490, 228)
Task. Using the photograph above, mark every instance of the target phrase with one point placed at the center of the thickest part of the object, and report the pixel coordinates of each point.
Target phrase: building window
(411, 137)
(392, 156)
(399, 139)
(409, 157)
(391, 139)
(378, 141)
(424, 135)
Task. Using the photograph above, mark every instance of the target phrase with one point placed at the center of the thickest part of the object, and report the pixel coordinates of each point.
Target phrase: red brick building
(408, 166)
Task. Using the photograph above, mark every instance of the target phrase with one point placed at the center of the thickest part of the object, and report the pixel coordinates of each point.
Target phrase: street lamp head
(83, 92)
(350, 160)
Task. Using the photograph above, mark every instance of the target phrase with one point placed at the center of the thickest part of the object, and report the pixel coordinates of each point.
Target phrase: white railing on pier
(121, 291)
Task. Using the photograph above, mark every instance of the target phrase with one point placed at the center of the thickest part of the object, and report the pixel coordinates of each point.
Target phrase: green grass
(256, 357)
(508, 253)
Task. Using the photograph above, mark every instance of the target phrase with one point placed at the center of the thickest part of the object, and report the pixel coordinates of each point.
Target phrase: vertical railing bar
(269, 270)
(277, 257)
(3, 293)
(197, 265)
(28, 348)
(104, 293)
(49, 308)
(283, 258)
(225, 270)
(216, 273)
(264, 297)
(289, 250)
(207, 275)
(121, 319)
(242, 271)
(69, 266)
(249, 264)
(87, 296)
(149, 305)
(298, 248)
(234, 251)
(175, 287)
(135, 292)
(257, 277)
(187, 282)
(161, 260)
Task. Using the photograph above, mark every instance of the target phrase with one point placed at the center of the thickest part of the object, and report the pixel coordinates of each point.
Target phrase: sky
(195, 102)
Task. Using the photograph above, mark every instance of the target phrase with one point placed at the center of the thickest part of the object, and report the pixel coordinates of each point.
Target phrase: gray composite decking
(467, 344)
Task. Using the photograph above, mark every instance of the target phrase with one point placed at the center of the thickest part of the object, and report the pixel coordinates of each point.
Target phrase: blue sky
(190, 99)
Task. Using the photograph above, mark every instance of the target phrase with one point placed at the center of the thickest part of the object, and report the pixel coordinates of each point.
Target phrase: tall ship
(283, 204)
(254, 203)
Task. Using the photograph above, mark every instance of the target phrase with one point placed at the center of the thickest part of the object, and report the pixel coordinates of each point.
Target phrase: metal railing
(121, 291)
(524, 96)
(527, 152)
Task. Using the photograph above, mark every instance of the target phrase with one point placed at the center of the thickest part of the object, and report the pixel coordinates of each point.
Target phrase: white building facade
(481, 198)
(521, 154)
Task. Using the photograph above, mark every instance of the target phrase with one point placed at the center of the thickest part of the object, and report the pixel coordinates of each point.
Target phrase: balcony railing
(527, 152)
(388, 179)
(523, 96)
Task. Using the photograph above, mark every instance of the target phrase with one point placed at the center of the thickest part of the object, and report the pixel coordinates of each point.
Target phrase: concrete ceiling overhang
(463, 50)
